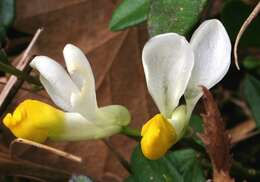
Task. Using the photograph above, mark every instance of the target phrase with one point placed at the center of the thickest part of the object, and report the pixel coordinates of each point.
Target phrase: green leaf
(196, 123)
(188, 164)
(129, 13)
(251, 90)
(181, 166)
(251, 63)
(233, 15)
(174, 15)
(7, 12)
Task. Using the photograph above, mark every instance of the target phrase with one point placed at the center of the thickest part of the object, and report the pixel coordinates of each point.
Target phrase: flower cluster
(173, 68)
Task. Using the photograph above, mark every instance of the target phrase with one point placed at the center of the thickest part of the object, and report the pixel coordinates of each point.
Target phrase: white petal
(57, 99)
(168, 62)
(55, 80)
(82, 75)
(212, 51)
(76, 127)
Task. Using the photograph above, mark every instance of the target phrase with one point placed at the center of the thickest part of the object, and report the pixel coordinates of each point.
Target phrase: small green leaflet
(129, 13)
(180, 165)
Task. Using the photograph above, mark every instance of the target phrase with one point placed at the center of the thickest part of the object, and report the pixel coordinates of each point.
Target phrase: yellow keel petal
(34, 120)
(158, 135)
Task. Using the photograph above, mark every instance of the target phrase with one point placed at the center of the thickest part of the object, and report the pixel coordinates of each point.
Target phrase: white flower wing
(168, 62)
(55, 80)
(212, 51)
(81, 73)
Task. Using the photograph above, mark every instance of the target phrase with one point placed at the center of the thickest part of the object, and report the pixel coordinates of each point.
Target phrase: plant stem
(131, 132)
(12, 70)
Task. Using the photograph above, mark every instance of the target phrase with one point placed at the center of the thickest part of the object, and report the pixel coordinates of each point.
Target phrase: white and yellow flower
(75, 94)
(174, 68)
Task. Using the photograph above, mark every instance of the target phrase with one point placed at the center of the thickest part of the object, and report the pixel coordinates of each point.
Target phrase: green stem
(131, 132)
(19, 74)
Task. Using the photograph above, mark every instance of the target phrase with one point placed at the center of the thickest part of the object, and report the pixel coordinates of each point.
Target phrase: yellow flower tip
(8, 120)
(12, 120)
(34, 120)
(158, 135)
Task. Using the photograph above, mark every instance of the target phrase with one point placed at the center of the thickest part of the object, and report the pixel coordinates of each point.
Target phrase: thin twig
(30, 46)
(47, 148)
(22, 88)
(121, 159)
(250, 18)
(23, 61)
(13, 84)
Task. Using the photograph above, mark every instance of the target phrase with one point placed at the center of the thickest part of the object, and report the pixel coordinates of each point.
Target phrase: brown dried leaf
(116, 62)
(15, 167)
(216, 139)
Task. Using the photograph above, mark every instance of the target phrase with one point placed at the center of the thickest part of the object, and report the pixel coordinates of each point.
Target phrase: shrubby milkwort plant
(173, 68)
(180, 66)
